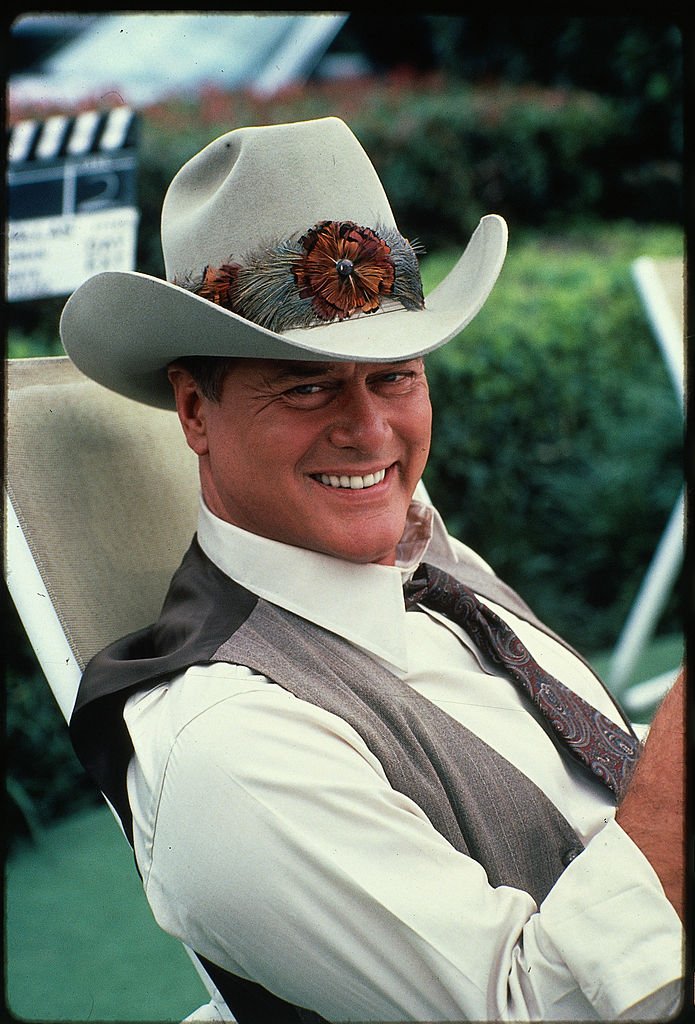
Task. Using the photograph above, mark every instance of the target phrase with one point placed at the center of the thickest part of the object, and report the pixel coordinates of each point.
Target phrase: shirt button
(570, 855)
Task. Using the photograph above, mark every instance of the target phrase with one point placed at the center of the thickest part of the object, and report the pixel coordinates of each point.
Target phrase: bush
(446, 159)
(43, 778)
(557, 434)
(446, 153)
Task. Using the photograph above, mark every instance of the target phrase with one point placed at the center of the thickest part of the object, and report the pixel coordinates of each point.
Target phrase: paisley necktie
(606, 749)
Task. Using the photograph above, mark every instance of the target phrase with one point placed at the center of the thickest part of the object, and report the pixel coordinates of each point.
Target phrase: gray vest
(482, 805)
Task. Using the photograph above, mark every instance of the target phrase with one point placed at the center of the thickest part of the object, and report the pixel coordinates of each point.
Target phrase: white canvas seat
(101, 503)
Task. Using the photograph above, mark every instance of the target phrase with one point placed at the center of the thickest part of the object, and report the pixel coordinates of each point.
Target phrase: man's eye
(309, 396)
(396, 379)
(306, 389)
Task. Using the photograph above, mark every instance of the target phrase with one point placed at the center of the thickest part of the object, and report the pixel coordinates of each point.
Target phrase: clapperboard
(71, 199)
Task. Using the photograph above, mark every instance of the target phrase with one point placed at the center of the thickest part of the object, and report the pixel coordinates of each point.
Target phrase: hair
(208, 372)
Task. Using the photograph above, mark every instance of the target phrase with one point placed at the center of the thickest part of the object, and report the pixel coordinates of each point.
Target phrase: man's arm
(271, 842)
(653, 811)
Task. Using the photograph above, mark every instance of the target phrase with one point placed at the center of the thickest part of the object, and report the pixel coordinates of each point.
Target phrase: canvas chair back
(101, 504)
(104, 491)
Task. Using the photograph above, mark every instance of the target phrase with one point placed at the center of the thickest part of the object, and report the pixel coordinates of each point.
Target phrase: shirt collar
(361, 603)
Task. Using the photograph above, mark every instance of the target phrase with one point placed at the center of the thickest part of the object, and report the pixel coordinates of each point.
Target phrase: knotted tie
(606, 749)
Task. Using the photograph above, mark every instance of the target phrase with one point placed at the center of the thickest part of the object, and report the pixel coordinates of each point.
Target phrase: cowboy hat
(279, 242)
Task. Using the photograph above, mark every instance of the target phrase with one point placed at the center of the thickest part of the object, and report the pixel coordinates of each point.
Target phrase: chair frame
(661, 306)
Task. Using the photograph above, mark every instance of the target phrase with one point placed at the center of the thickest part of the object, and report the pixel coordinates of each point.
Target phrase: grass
(80, 941)
(661, 654)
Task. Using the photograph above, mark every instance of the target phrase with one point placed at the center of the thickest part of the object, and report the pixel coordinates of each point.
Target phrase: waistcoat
(482, 805)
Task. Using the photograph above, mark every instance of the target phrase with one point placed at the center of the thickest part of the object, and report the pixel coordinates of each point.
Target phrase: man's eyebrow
(301, 370)
(298, 371)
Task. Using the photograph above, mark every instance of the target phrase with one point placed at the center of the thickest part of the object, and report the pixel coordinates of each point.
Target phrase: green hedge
(446, 152)
(557, 434)
(527, 154)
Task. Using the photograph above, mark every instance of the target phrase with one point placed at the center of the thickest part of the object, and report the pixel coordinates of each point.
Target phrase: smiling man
(361, 779)
(332, 452)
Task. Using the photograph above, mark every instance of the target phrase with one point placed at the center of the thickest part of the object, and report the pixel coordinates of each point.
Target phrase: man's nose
(360, 421)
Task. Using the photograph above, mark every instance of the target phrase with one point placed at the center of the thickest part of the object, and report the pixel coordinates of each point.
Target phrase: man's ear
(190, 405)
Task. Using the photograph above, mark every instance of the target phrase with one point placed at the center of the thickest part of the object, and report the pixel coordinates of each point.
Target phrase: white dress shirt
(270, 840)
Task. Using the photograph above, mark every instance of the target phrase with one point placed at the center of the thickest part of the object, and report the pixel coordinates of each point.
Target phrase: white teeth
(353, 483)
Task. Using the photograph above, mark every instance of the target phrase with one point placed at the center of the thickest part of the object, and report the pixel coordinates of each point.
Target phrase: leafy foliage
(557, 435)
(446, 152)
(43, 778)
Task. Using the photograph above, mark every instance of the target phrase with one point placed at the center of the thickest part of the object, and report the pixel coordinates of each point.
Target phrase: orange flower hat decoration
(335, 270)
(345, 269)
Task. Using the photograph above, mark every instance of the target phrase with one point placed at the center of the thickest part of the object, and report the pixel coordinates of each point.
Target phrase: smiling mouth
(352, 483)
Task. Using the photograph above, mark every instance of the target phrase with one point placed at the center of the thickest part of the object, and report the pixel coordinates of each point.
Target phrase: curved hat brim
(123, 328)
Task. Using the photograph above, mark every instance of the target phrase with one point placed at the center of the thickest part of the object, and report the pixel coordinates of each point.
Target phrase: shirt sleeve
(271, 842)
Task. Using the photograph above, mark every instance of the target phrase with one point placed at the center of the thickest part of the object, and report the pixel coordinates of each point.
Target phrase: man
(354, 805)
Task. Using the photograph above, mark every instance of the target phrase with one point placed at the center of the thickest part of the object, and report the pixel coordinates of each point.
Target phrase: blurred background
(558, 433)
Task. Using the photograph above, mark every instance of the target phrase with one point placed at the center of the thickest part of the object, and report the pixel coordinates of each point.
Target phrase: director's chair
(101, 503)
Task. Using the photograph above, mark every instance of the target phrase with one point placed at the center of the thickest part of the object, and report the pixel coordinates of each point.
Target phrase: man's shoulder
(175, 702)
(467, 555)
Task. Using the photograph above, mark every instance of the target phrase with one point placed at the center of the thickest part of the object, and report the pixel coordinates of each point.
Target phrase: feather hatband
(335, 270)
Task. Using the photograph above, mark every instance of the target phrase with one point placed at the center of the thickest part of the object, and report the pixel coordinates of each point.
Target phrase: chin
(363, 554)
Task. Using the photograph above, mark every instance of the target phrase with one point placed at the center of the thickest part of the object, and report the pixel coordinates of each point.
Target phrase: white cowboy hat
(279, 243)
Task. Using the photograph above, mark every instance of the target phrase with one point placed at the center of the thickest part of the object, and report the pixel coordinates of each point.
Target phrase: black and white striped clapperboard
(71, 198)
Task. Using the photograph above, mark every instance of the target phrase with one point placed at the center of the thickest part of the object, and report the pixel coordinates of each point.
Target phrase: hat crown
(257, 186)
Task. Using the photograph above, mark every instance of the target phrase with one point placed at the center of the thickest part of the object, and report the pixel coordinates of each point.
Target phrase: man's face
(322, 456)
